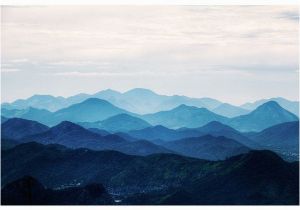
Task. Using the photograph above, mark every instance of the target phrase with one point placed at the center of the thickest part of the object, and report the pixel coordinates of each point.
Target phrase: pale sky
(232, 53)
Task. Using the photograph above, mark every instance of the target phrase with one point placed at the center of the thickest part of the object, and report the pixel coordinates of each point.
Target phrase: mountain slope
(218, 129)
(245, 180)
(258, 177)
(41, 115)
(29, 191)
(229, 110)
(16, 128)
(119, 123)
(264, 116)
(183, 116)
(207, 147)
(90, 110)
(291, 106)
(74, 136)
(162, 133)
(282, 138)
(138, 100)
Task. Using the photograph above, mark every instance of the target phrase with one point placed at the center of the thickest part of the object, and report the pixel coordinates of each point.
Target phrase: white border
(150, 2)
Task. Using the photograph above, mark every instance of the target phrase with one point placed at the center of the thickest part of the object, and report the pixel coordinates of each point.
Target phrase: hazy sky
(231, 53)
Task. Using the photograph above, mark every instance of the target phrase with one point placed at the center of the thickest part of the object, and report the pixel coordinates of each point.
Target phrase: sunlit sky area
(232, 53)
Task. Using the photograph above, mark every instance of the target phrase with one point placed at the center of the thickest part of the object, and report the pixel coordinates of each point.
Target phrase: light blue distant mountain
(137, 100)
(183, 116)
(48, 102)
(229, 110)
(90, 110)
(40, 115)
(291, 106)
(264, 116)
(118, 123)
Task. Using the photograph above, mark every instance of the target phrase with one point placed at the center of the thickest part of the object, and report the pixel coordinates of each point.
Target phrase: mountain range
(29, 191)
(142, 148)
(144, 101)
(258, 177)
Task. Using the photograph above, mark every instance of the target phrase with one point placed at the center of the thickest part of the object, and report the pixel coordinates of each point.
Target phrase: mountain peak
(140, 91)
(271, 104)
(95, 101)
(108, 92)
(66, 126)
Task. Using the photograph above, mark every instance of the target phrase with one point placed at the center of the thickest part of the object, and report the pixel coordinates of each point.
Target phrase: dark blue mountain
(99, 131)
(29, 191)
(71, 135)
(218, 129)
(17, 128)
(118, 123)
(258, 177)
(183, 116)
(74, 136)
(282, 138)
(3, 119)
(162, 133)
(266, 115)
(207, 147)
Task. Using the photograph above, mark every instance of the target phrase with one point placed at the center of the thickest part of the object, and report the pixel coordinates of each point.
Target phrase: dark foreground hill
(29, 191)
(258, 177)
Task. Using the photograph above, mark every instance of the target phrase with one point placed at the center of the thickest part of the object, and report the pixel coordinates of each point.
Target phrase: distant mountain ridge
(118, 123)
(291, 106)
(138, 100)
(264, 116)
(145, 101)
(183, 116)
(73, 136)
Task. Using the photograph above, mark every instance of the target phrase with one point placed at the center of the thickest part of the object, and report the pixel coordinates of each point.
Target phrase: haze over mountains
(144, 101)
(71, 142)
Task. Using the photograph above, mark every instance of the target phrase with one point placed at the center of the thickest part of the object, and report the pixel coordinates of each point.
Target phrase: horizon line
(147, 89)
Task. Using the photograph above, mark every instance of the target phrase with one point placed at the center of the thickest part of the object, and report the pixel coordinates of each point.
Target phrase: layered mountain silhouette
(229, 110)
(291, 106)
(266, 115)
(145, 148)
(16, 128)
(247, 181)
(183, 116)
(40, 115)
(162, 133)
(215, 128)
(207, 147)
(138, 100)
(74, 136)
(90, 110)
(29, 191)
(118, 123)
(283, 138)
(258, 177)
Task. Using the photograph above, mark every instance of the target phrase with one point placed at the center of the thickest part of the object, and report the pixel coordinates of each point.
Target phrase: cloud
(290, 15)
(9, 70)
(184, 46)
